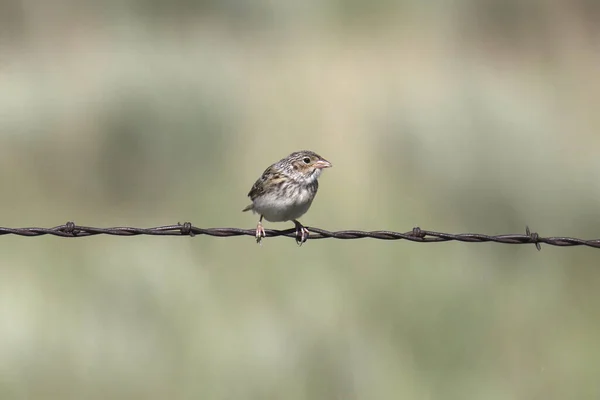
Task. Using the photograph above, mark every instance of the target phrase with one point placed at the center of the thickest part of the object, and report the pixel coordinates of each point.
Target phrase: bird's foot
(260, 233)
(301, 233)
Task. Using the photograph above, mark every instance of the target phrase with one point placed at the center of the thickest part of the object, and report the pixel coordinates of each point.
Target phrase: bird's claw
(301, 233)
(260, 233)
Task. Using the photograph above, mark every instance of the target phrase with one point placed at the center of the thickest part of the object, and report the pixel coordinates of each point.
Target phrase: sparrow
(286, 190)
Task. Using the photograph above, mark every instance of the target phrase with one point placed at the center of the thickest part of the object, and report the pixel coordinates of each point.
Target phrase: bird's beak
(322, 164)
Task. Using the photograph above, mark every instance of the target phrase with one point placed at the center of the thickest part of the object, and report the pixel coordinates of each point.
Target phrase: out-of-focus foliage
(462, 116)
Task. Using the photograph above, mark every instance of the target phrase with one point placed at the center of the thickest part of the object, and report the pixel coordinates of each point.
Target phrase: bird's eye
(306, 160)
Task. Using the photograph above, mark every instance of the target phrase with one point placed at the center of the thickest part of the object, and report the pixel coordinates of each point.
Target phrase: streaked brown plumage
(286, 189)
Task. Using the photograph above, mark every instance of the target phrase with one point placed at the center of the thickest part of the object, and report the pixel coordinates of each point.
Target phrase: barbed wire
(71, 230)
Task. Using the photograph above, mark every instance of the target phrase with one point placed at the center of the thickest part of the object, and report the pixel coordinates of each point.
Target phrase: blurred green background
(464, 116)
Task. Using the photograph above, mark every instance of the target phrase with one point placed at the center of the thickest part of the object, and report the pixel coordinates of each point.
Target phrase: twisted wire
(71, 230)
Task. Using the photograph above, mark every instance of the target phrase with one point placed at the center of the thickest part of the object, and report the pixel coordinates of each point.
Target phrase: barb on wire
(70, 230)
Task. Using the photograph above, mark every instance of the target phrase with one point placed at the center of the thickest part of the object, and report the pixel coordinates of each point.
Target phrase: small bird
(286, 190)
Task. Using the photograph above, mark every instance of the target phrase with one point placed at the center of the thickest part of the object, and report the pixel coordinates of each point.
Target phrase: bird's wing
(269, 180)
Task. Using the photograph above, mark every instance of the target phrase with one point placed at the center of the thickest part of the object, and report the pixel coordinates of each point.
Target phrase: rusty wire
(70, 230)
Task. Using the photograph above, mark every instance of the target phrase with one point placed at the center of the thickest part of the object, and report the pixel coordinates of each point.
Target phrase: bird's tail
(248, 208)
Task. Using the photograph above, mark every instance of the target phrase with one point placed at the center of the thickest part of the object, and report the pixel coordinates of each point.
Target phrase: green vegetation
(471, 116)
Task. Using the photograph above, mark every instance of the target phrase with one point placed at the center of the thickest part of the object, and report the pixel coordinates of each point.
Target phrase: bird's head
(307, 165)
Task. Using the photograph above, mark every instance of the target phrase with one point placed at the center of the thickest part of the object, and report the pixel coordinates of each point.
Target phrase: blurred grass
(478, 116)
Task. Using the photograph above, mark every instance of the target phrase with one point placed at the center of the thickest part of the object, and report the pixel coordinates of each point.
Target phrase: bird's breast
(278, 206)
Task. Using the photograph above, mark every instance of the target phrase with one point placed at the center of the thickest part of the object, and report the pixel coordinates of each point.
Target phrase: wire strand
(418, 235)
